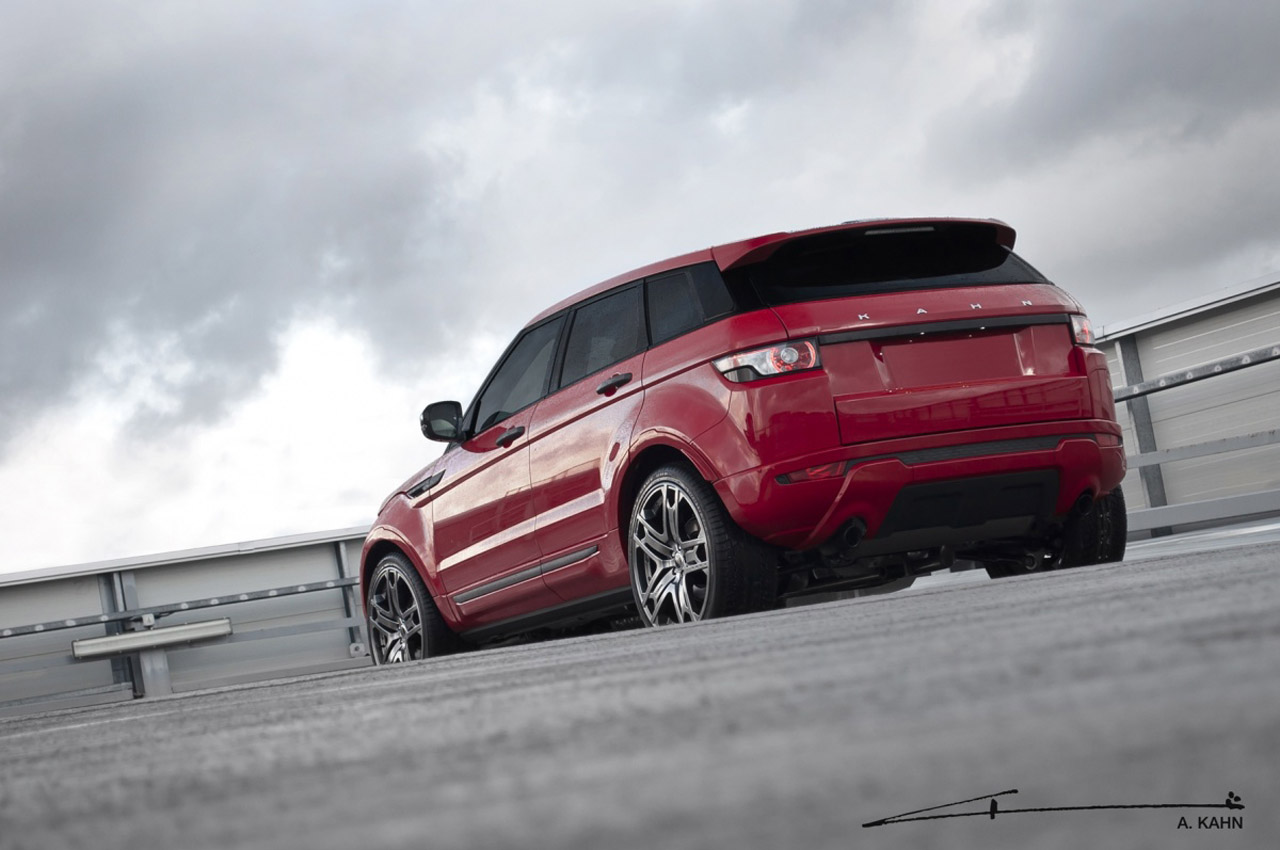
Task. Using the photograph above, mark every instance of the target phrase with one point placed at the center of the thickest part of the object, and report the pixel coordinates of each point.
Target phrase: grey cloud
(216, 171)
(199, 177)
(1177, 71)
(1165, 110)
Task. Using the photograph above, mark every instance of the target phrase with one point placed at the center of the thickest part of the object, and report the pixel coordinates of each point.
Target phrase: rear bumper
(984, 465)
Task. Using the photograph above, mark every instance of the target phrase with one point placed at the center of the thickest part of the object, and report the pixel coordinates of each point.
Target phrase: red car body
(940, 415)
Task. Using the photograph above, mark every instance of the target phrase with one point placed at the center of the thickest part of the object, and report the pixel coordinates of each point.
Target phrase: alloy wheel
(395, 618)
(671, 556)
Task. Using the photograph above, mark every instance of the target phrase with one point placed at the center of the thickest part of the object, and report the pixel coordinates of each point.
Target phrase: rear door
(579, 432)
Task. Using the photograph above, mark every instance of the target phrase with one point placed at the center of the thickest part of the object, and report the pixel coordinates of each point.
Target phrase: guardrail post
(1144, 430)
(112, 596)
(351, 605)
(150, 666)
(154, 664)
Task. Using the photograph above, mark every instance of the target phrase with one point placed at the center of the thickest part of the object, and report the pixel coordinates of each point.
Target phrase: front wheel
(404, 623)
(687, 558)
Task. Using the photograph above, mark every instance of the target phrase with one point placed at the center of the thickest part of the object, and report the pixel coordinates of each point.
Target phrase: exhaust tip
(854, 530)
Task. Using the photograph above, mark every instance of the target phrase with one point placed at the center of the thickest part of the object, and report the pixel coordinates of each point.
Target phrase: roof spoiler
(737, 254)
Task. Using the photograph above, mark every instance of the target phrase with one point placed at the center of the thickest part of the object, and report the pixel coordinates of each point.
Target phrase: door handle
(608, 387)
(509, 436)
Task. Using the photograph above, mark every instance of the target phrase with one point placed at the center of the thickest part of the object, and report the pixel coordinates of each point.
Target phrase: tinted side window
(522, 378)
(713, 295)
(673, 306)
(603, 332)
(684, 300)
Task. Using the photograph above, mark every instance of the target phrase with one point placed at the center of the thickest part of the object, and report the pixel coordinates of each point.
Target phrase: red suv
(842, 408)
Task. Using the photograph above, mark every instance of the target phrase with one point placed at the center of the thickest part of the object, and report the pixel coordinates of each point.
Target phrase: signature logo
(993, 809)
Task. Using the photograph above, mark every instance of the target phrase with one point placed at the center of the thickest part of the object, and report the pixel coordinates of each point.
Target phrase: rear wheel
(688, 559)
(1098, 537)
(1095, 537)
(404, 623)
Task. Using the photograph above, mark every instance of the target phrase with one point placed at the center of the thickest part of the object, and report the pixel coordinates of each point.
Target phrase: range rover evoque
(847, 407)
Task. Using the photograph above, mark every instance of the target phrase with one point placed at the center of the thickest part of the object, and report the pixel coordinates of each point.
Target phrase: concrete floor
(1151, 682)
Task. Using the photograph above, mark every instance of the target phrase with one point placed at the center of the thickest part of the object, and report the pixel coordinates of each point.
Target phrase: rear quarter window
(686, 299)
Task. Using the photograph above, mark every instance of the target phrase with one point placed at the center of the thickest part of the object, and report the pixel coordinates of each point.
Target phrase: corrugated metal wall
(44, 656)
(287, 634)
(217, 664)
(1230, 405)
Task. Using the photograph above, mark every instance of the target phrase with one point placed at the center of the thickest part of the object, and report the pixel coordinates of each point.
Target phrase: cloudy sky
(241, 244)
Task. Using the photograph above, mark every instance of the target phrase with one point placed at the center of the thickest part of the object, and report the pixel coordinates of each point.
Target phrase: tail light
(796, 356)
(1081, 329)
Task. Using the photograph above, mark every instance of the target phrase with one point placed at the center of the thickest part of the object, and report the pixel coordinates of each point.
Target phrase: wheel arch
(654, 455)
(382, 542)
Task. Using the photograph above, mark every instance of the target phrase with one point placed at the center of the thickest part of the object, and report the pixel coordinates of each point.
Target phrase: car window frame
(737, 303)
(571, 319)
(553, 383)
(473, 409)
(687, 276)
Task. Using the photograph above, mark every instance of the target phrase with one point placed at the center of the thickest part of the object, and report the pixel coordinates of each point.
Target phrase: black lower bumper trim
(989, 507)
(968, 502)
(599, 605)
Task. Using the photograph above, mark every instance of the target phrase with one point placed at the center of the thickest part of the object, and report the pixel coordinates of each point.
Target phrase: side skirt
(600, 605)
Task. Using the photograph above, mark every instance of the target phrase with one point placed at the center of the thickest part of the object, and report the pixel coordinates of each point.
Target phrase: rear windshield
(858, 262)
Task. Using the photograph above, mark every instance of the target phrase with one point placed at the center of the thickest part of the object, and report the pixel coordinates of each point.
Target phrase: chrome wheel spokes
(395, 619)
(669, 549)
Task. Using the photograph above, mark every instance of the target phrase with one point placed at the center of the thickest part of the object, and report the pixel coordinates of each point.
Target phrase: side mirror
(442, 421)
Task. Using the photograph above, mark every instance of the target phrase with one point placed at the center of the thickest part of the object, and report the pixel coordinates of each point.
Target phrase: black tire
(1099, 536)
(403, 621)
(1113, 527)
(714, 569)
(1095, 537)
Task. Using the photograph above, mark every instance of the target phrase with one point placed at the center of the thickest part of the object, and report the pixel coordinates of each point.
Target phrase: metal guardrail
(150, 638)
(39, 671)
(1199, 373)
(139, 614)
(1164, 517)
(144, 647)
(1211, 447)
(1189, 513)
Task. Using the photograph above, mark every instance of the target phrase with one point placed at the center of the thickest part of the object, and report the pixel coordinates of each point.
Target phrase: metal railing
(1240, 506)
(145, 617)
(123, 650)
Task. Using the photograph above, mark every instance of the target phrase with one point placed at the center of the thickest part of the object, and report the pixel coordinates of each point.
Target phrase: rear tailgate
(1004, 360)
(926, 327)
(925, 383)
